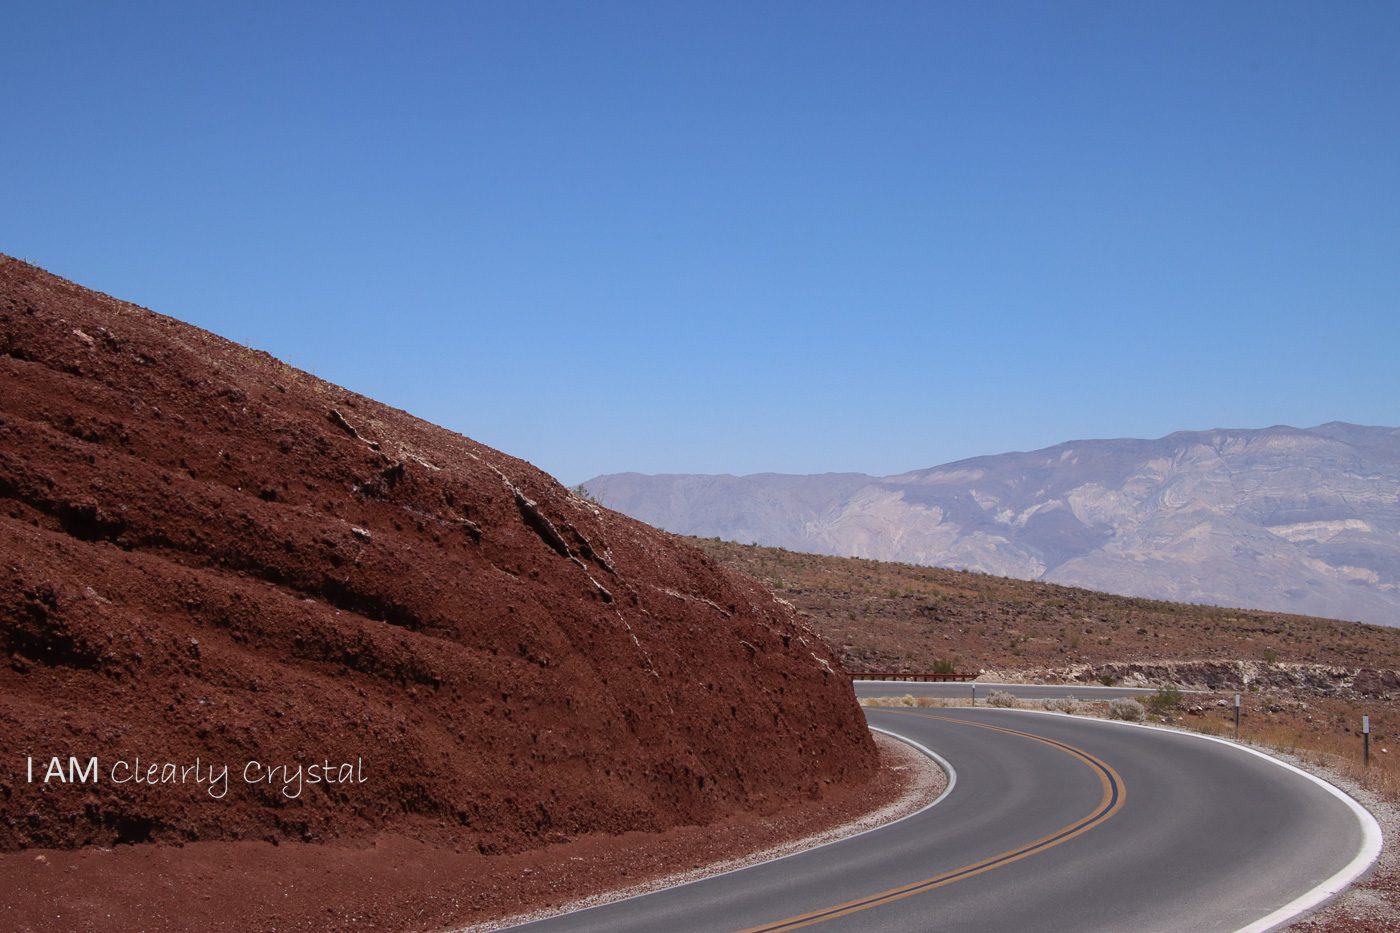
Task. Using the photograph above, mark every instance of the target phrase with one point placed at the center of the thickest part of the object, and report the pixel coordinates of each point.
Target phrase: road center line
(1114, 794)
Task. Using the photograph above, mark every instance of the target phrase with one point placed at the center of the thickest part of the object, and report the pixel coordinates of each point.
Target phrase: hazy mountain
(1287, 519)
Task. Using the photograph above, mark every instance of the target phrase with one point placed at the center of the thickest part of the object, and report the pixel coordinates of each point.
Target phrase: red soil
(393, 884)
(205, 553)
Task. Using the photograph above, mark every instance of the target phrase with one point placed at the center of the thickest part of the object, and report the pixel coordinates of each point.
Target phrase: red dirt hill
(205, 553)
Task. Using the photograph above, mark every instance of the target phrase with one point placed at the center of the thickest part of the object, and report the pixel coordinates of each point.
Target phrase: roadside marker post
(1366, 741)
(974, 694)
(1237, 716)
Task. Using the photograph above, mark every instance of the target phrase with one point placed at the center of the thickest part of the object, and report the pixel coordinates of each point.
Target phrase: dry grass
(909, 700)
(1338, 754)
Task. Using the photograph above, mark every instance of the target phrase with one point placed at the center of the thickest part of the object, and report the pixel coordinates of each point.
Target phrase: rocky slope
(205, 553)
(1282, 519)
(903, 617)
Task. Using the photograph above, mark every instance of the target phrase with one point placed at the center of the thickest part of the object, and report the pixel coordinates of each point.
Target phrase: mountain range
(1303, 520)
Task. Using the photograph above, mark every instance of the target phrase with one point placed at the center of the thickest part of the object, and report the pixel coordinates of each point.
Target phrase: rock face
(207, 554)
(1283, 519)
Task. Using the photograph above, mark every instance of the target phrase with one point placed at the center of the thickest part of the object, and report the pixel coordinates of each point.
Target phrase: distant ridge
(1303, 520)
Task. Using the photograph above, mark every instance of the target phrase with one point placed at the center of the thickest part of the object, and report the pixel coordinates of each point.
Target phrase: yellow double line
(1114, 793)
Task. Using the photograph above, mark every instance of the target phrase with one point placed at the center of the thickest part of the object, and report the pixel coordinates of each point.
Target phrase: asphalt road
(962, 691)
(1052, 823)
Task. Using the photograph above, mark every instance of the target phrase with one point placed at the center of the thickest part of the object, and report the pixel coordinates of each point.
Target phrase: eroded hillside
(205, 553)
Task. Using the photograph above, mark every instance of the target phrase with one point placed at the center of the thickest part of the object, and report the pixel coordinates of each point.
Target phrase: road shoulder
(909, 781)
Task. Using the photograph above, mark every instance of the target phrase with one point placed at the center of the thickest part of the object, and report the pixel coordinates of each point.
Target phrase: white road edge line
(943, 763)
(1371, 837)
(937, 758)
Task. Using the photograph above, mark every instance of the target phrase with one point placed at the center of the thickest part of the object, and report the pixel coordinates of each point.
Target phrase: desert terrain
(310, 640)
(1305, 682)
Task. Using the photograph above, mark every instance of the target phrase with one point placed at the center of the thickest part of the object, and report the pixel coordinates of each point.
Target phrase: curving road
(1051, 823)
(963, 691)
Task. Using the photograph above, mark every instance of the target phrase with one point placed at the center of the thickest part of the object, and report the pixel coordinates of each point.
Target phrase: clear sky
(741, 237)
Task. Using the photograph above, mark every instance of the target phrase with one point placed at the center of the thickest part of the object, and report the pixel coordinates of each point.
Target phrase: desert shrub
(1168, 697)
(1069, 705)
(1127, 710)
(1108, 680)
(1001, 698)
(945, 666)
(584, 493)
(906, 700)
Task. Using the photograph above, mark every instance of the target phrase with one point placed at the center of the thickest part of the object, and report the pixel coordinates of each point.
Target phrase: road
(962, 691)
(1052, 823)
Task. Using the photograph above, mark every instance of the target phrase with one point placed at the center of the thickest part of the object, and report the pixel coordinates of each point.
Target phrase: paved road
(1053, 823)
(962, 691)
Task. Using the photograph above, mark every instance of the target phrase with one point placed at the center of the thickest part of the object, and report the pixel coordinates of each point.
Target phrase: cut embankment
(208, 557)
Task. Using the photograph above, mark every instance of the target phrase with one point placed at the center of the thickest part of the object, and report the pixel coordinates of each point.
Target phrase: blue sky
(741, 237)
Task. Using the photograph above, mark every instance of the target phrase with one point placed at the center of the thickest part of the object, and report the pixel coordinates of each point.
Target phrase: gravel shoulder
(1373, 903)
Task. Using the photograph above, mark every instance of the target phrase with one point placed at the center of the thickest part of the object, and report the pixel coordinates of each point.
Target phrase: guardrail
(882, 675)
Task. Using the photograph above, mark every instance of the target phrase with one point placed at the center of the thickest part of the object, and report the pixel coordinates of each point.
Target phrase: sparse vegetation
(1126, 710)
(1001, 698)
(909, 700)
(996, 622)
(1069, 705)
(1165, 699)
(972, 617)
